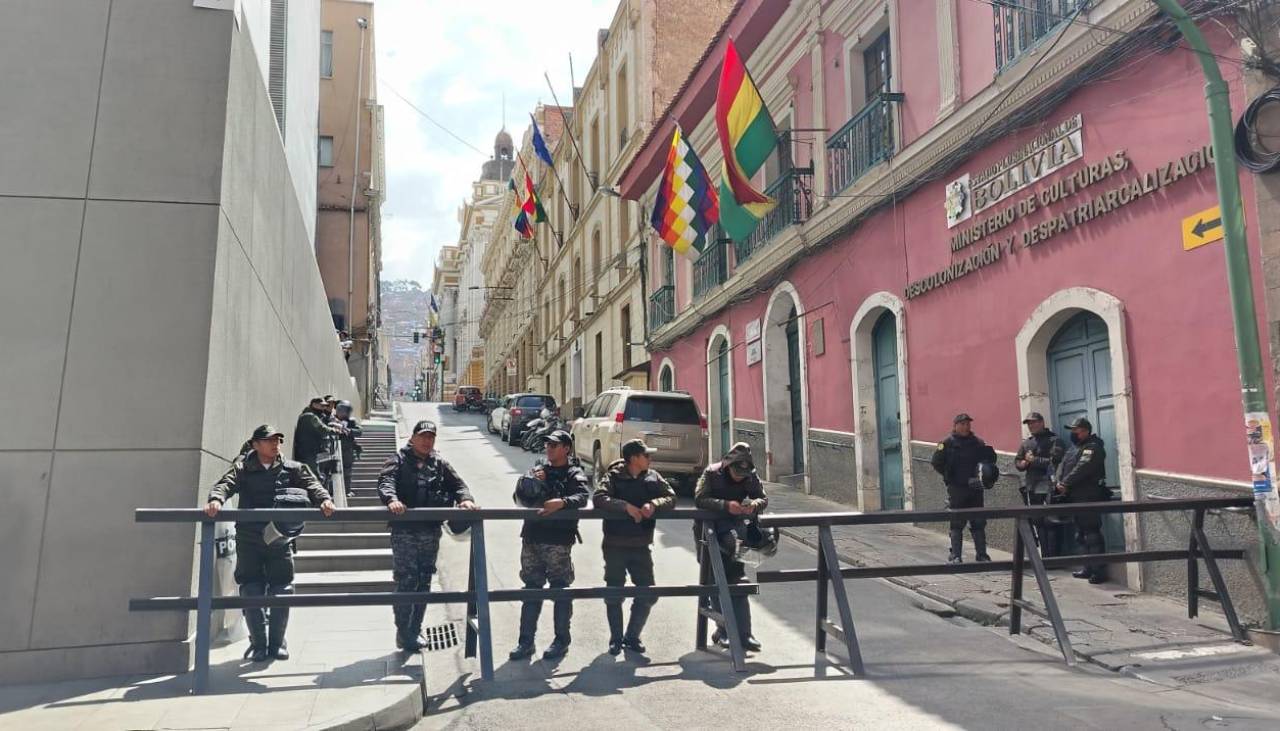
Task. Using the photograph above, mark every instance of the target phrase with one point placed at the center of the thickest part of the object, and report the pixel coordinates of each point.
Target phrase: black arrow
(1202, 226)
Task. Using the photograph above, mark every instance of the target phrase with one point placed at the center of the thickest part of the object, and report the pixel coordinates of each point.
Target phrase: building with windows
(985, 219)
(444, 287)
(159, 182)
(351, 183)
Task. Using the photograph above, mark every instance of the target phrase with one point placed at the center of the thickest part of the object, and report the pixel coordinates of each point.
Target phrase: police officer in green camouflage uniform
(264, 558)
(545, 555)
(417, 477)
(312, 434)
(1082, 477)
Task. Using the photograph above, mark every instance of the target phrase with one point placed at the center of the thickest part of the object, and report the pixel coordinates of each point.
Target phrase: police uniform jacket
(1044, 451)
(349, 439)
(311, 435)
(620, 489)
(1084, 469)
(258, 486)
(568, 483)
(418, 482)
(957, 459)
(716, 489)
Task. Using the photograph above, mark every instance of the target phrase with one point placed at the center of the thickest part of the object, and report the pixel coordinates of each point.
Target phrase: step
(344, 541)
(362, 559)
(351, 582)
(364, 502)
(345, 526)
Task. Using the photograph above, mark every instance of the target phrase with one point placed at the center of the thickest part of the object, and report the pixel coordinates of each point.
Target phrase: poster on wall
(753, 330)
(753, 352)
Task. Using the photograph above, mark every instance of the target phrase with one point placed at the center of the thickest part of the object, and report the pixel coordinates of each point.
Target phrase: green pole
(1239, 278)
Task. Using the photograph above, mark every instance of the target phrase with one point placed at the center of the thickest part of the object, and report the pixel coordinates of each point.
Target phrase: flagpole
(554, 171)
(568, 129)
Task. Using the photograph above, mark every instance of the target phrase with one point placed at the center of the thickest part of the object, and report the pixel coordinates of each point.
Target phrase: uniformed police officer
(1082, 478)
(631, 487)
(417, 477)
(264, 559)
(1037, 459)
(350, 447)
(732, 487)
(545, 558)
(312, 434)
(957, 459)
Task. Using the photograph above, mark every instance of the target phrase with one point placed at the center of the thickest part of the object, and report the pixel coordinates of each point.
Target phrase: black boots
(635, 625)
(529, 612)
(742, 612)
(278, 621)
(613, 612)
(562, 613)
(980, 544)
(957, 545)
(256, 619)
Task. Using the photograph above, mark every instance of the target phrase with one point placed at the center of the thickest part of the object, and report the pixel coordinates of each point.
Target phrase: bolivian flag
(686, 206)
(747, 138)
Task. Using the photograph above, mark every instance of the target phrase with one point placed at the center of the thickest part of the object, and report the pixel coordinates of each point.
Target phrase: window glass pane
(325, 152)
(326, 53)
(662, 410)
(538, 402)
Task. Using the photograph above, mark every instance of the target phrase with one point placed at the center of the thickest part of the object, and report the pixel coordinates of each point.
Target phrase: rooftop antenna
(573, 85)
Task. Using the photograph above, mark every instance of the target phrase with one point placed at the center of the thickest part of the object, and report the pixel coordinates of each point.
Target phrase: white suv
(667, 421)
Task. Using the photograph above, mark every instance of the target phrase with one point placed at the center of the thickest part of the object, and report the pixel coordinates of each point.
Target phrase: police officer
(417, 477)
(957, 459)
(1037, 459)
(312, 433)
(731, 487)
(632, 488)
(545, 558)
(264, 558)
(1082, 477)
(350, 447)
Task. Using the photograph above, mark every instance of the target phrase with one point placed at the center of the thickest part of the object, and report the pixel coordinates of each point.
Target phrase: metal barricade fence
(712, 576)
(478, 596)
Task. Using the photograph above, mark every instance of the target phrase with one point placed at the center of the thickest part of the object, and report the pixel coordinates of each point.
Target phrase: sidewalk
(1141, 635)
(344, 673)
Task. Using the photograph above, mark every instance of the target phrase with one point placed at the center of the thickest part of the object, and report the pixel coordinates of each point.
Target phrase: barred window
(1021, 24)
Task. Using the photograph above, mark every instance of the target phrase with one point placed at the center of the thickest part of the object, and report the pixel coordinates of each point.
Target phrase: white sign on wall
(753, 352)
(753, 330)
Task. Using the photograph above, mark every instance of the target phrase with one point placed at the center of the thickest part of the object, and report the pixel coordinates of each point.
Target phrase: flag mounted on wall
(747, 138)
(687, 205)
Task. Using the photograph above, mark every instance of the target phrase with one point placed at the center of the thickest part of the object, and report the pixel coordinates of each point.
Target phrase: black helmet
(988, 472)
(761, 539)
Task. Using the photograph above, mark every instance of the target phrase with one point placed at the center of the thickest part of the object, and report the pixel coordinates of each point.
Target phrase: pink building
(981, 210)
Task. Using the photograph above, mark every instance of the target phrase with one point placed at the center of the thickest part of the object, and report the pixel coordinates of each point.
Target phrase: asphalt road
(923, 671)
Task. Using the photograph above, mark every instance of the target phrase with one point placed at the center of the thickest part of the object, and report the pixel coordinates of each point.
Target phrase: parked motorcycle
(550, 422)
(531, 430)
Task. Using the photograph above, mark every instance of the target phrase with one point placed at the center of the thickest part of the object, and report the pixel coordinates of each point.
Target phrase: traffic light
(416, 336)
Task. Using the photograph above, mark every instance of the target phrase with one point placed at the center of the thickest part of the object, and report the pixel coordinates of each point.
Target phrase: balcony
(864, 141)
(711, 269)
(662, 307)
(794, 193)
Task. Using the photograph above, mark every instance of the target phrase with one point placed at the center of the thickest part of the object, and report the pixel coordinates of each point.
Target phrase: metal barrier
(1026, 550)
(478, 596)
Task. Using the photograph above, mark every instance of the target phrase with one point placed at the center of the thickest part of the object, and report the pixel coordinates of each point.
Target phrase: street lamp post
(1240, 286)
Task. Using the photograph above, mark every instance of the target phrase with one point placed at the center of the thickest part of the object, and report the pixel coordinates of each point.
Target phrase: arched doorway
(884, 338)
(719, 393)
(1080, 384)
(785, 398)
(1072, 359)
(666, 377)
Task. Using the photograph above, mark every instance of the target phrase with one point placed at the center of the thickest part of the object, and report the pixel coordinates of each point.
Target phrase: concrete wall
(142, 307)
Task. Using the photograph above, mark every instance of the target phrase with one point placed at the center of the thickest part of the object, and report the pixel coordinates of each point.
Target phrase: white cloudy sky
(454, 59)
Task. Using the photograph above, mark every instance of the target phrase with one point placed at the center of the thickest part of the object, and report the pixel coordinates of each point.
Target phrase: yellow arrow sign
(1203, 228)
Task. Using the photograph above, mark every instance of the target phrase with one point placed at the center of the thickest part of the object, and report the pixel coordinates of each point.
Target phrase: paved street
(924, 671)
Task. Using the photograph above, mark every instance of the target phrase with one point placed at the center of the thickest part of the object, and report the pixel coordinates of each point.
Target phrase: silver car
(668, 421)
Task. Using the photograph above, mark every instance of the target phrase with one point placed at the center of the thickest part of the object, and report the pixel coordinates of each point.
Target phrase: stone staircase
(347, 557)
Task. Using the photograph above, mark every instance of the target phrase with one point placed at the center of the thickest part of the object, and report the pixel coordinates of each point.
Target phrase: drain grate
(440, 637)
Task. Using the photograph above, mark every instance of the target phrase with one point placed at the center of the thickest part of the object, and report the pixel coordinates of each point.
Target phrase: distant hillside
(404, 309)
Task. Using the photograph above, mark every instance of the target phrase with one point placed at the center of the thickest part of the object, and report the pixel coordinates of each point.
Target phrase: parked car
(668, 421)
(466, 397)
(494, 423)
(524, 407)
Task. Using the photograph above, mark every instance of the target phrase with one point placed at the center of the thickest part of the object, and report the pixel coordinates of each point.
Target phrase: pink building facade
(981, 210)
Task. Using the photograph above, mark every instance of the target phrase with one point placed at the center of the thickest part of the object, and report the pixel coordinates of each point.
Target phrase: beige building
(444, 287)
(575, 322)
(351, 182)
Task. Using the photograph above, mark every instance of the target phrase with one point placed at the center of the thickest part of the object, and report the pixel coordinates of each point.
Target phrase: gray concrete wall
(137, 308)
(833, 466)
(751, 432)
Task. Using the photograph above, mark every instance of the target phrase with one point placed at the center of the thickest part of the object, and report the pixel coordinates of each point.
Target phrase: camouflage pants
(413, 563)
(544, 564)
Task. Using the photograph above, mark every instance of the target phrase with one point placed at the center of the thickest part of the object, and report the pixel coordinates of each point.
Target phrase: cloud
(456, 61)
